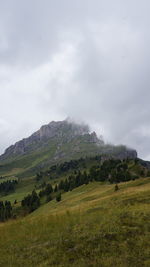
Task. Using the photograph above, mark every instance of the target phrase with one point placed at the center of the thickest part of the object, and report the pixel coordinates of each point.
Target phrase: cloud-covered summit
(85, 59)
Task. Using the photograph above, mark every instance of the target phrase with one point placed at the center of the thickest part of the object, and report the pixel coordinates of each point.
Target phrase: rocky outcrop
(126, 153)
(68, 140)
(62, 131)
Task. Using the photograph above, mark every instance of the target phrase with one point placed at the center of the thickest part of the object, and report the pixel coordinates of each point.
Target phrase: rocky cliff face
(124, 153)
(62, 131)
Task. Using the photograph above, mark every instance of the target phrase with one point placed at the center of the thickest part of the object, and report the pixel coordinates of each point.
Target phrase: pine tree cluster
(47, 191)
(8, 186)
(74, 181)
(113, 171)
(5, 210)
(31, 202)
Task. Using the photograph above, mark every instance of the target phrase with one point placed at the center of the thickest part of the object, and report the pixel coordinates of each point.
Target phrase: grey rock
(62, 131)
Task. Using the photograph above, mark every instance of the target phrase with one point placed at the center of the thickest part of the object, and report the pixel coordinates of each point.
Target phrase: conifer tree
(116, 187)
(58, 197)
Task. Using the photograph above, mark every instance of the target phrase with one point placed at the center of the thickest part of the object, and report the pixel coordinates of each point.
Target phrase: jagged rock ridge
(63, 131)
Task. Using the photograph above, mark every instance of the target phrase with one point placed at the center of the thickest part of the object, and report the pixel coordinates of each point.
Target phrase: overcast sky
(86, 59)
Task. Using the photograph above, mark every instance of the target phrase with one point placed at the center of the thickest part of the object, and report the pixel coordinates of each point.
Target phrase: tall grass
(92, 226)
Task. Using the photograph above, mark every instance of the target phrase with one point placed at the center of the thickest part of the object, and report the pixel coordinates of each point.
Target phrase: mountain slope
(53, 143)
(91, 226)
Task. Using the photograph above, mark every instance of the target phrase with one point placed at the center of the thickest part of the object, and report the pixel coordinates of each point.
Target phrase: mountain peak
(56, 142)
(61, 128)
(61, 131)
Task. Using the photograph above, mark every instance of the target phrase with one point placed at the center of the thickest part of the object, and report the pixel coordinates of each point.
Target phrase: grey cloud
(85, 59)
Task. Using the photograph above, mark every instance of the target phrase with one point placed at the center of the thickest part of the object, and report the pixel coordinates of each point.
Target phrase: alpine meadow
(74, 133)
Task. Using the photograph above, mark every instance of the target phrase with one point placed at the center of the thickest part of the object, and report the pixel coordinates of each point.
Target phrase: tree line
(72, 165)
(112, 170)
(8, 186)
(32, 201)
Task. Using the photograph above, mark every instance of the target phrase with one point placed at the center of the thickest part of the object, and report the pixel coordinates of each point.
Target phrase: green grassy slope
(54, 151)
(26, 165)
(25, 186)
(91, 226)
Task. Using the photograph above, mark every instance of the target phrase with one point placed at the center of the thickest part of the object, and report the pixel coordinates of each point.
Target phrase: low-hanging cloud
(85, 59)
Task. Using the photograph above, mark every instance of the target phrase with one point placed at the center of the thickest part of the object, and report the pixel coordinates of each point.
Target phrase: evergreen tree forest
(8, 186)
(71, 175)
(31, 202)
(111, 171)
(5, 210)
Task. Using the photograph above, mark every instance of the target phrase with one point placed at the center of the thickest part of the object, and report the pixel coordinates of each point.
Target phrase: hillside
(99, 168)
(91, 226)
(54, 143)
(83, 202)
(94, 223)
